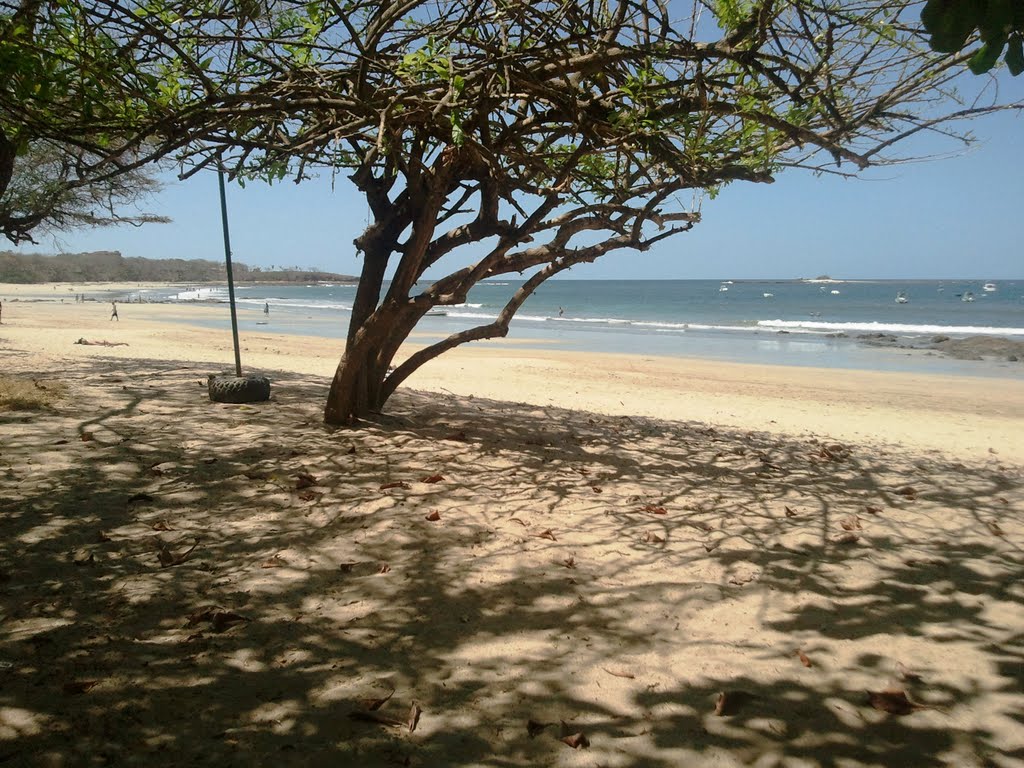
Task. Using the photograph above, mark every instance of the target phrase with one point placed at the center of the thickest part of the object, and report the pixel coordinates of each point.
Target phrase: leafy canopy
(1000, 24)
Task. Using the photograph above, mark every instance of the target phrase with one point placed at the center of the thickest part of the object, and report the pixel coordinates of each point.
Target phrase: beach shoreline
(915, 346)
(959, 415)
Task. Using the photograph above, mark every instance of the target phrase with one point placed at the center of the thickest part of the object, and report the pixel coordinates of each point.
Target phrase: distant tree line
(111, 266)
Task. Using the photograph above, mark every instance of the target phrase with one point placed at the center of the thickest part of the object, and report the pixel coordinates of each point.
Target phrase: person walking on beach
(113, 314)
(266, 308)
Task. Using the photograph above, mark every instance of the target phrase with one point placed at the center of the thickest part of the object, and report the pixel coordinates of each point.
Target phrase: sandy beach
(532, 558)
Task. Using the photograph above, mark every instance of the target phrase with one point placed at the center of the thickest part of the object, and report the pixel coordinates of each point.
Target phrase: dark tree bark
(8, 153)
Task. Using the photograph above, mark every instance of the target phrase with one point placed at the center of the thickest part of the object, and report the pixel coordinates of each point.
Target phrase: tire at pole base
(238, 389)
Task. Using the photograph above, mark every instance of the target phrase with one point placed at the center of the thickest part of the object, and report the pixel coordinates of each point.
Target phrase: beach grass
(21, 393)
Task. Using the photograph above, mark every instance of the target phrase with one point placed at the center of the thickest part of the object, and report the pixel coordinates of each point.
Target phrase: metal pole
(231, 279)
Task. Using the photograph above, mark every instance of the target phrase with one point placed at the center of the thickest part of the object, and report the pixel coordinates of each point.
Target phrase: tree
(535, 137)
(44, 193)
(1000, 23)
(94, 91)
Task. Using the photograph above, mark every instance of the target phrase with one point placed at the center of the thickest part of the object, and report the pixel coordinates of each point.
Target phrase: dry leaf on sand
(618, 673)
(873, 510)
(851, 523)
(373, 717)
(654, 509)
(219, 619)
(547, 535)
(396, 484)
(790, 512)
(569, 562)
(274, 562)
(168, 558)
(76, 687)
(161, 525)
(414, 717)
(371, 705)
(433, 516)
(994, 527)
(730, 702)
(804, 659)
(203, 614)
(432, 479)
(895, 702)
(653, 538)
(304, 480)
(576, 740)
(222, 621)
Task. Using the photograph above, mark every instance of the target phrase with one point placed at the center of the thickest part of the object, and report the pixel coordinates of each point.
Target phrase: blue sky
(960, 217)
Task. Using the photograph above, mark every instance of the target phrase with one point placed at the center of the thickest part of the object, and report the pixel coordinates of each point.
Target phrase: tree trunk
(358, 388)
(355, 390)
(7, 155)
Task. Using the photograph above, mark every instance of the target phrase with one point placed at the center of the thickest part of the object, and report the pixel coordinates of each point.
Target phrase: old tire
(238, 389)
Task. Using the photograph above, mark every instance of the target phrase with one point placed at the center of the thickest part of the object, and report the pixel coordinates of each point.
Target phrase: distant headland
(112, 267)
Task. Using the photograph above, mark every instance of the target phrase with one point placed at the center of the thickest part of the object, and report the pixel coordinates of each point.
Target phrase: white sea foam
(296, 304)
(201, 294)
(591, 320)
(876, 327)
(470, 315)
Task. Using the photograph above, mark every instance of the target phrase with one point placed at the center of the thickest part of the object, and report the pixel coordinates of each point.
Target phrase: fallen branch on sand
(88, 343)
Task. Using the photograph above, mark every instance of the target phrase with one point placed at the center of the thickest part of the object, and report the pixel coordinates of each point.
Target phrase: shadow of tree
(613, 574)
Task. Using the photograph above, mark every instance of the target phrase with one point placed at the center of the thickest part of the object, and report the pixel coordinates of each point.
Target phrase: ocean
(789, 322)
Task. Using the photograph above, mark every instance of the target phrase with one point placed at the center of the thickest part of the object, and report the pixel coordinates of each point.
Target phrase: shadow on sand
(616, 574)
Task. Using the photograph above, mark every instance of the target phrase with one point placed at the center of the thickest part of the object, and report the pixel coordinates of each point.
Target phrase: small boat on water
(901, 297)
(989, 287)
(967, 297)
(834, 293)
(723, 288)
(767, 295)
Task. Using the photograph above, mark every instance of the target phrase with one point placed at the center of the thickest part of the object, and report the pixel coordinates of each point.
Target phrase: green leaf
(932, 14)
(950, 23)
(1015, 55)
(458, 135)
(986, 57)
(996, 19)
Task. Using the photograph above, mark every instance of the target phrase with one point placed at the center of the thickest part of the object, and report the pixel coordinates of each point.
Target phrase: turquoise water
(787, 322)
